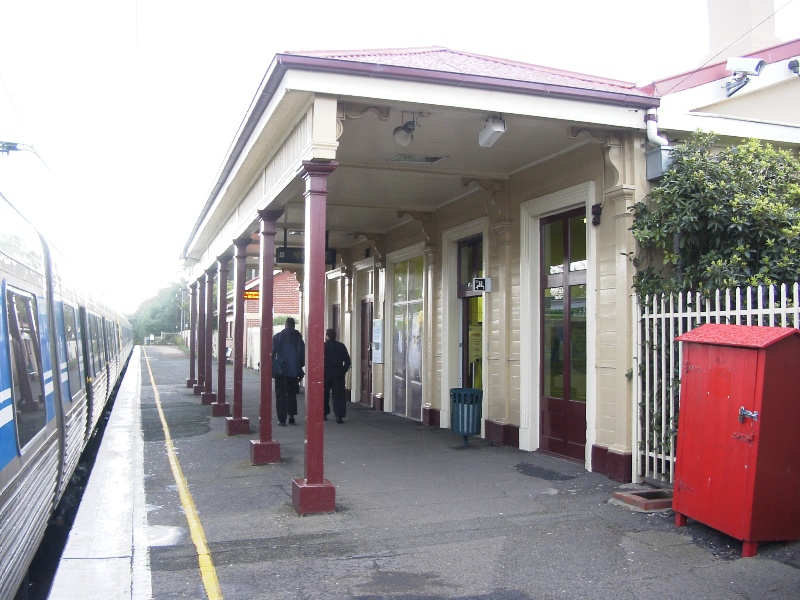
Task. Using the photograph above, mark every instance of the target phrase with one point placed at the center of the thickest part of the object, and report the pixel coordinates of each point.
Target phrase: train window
(96, 344)
(74, 363)
(27, 391)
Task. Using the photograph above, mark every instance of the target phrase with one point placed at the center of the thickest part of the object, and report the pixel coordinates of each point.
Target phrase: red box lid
(746, 336)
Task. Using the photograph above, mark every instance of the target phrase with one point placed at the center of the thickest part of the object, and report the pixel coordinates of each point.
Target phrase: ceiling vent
(417, 159)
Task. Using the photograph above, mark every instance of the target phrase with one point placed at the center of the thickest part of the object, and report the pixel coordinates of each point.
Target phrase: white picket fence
(658, 359)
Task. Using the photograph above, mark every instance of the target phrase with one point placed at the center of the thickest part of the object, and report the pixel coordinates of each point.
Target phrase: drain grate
(542, 473)
(646, 500)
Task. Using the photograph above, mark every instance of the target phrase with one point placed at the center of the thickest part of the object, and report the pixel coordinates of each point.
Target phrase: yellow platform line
(207, 570)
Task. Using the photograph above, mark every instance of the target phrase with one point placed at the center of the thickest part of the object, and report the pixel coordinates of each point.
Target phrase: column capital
(270, 215)
(241, 246)
(318, 167)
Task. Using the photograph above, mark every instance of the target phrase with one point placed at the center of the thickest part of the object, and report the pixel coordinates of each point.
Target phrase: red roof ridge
(377, 52)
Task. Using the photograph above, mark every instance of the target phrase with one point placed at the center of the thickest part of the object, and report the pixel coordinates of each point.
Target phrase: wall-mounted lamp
(742, 67)
(404, 134)
(597, 211)
(491, 131)
(794, 66)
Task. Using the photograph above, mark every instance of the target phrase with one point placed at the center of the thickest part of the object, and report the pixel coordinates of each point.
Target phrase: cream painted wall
(777, 103)
(618, 182)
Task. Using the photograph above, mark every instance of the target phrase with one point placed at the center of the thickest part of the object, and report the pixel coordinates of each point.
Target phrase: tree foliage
(720, 220)
(161, 313)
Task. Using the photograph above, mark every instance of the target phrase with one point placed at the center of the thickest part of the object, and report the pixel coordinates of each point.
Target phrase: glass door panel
(577, 328)
(553, 343)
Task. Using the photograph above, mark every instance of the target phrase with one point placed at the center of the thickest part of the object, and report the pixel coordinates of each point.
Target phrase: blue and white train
(61, 355)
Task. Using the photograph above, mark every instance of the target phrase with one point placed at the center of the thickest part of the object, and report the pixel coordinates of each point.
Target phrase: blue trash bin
(465, 411)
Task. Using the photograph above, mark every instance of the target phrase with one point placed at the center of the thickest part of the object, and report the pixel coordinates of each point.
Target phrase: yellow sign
(251, 295)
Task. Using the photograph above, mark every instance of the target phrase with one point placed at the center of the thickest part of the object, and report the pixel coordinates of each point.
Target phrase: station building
(463, 221)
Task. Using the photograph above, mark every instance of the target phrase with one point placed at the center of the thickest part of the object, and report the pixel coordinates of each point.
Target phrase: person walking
(337, 363)
(288, 360)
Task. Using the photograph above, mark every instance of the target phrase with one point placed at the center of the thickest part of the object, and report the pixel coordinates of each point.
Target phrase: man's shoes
(281, 423)
(291, 420)
(324, 417)
(339, 420)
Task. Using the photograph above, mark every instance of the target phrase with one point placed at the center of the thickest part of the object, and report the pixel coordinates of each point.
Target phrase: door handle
(750, 414)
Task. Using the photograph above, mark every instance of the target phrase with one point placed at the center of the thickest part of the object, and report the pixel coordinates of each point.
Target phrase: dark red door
(714, 449)
(365, 353)
(563, 344)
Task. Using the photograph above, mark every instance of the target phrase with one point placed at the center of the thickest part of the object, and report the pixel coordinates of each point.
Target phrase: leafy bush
(720, 220)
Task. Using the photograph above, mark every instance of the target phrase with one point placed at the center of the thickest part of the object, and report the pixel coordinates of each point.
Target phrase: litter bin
(465, 411)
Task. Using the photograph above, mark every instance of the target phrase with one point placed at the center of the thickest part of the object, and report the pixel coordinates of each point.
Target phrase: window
(470, 265)
(407, 346)
(72, 351)
(97, 348)
(27, 391)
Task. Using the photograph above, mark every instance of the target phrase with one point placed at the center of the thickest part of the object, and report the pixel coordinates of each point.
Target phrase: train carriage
(60, 356)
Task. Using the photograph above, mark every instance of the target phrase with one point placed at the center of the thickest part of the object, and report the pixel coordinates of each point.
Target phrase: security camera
(794, 66)
(745, 65)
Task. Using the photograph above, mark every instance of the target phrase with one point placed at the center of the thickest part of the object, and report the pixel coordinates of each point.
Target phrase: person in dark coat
(288, 360)
(337, 363)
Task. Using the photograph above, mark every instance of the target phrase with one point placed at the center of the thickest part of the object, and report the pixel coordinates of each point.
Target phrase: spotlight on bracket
(404, 134)
(794, 66)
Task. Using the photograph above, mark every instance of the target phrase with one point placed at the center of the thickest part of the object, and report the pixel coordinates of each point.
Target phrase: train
(61, 355)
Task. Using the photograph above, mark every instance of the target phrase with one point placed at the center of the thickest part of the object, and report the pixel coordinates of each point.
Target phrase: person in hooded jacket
(337, 363)
(288, 360)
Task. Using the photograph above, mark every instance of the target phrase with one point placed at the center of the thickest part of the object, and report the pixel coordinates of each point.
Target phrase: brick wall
(286, 296)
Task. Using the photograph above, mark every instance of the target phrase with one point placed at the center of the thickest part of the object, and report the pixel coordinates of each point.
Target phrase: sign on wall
(377, 341)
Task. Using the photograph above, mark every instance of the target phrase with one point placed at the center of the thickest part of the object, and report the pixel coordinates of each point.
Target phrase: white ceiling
(369, 188)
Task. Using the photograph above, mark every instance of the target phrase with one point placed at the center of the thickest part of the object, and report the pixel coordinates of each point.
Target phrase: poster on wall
(377, 341)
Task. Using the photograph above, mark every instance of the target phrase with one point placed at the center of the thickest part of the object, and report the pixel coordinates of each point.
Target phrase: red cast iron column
(208, 396)
(265, 449)
(315, 494)
(201, 336)
(237, 423)
(192, 333)
(220, 408)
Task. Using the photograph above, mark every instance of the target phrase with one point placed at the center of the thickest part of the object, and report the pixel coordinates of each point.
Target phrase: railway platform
(418, 515)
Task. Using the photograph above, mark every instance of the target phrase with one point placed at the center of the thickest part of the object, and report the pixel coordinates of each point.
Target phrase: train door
(563, 326)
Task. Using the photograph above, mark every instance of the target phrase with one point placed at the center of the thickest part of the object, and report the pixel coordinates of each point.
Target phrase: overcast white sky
(132, 104)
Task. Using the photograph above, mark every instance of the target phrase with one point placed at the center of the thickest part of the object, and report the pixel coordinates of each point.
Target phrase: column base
(208, 398)
(310, 498)
(190, 382)
(220, 409)
(236, 426)
(262, 453)
(198, 389)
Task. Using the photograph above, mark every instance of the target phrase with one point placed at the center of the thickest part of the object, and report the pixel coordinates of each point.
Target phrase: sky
(131, 105)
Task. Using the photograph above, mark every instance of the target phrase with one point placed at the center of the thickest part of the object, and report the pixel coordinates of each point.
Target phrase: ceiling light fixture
(491, 131)
(404, 134)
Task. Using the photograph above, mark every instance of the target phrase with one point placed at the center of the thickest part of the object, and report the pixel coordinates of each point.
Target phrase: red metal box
(737, 466)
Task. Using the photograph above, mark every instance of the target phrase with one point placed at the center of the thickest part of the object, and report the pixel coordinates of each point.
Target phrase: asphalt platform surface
(418, 516)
